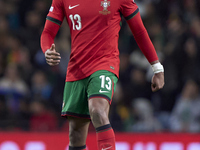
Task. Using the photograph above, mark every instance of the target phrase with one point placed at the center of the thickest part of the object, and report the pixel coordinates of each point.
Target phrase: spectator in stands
(12, 82)
(145, 121)
(137, 87)
(13, 86)
(40, 87)
(186, 113)
(43, 118)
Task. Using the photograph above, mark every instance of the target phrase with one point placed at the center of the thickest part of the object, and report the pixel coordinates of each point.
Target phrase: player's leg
(100, 91)
(99, 108)
(75, 107)
(78, 129)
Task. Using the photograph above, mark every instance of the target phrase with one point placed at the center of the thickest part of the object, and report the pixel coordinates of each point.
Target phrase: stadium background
(31, 91)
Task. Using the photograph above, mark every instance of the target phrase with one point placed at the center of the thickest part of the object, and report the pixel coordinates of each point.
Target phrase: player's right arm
(53, 22)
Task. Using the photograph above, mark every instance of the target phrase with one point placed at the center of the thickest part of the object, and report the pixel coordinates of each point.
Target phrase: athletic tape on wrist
(157, 67)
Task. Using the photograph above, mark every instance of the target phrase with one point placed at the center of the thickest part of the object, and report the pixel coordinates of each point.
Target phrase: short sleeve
(129, 9)
(56, 12)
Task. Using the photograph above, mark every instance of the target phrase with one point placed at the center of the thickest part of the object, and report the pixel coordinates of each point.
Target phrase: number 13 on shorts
(102, 84)
(106, 82)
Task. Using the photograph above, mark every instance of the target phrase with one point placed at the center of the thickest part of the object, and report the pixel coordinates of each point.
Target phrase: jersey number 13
(76, 21)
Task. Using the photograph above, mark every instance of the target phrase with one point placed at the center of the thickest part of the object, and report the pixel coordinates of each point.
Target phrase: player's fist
(157, 81)
(52, 57)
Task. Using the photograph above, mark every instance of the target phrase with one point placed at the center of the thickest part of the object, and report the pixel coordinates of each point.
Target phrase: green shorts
(101, 84)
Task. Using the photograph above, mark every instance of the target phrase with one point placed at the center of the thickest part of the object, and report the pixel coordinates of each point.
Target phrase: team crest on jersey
(105, 4)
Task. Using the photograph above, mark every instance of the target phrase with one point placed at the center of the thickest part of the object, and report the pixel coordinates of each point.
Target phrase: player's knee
(98, 116)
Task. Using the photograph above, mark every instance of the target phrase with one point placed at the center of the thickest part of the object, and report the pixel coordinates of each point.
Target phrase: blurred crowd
(31, 91)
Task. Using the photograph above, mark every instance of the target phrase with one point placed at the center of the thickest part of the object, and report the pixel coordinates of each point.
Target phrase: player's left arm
(131, 13)
(142, 38)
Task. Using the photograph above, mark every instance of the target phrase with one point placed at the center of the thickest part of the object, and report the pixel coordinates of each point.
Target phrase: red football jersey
(94, 27)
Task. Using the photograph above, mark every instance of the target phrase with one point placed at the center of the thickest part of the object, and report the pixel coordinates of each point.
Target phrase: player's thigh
(99, 105)
(99, 109)
(100, 91)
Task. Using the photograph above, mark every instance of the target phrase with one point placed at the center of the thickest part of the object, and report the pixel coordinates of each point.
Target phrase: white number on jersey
(76, 18)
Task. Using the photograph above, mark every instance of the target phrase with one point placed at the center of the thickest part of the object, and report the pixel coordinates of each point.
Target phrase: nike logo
(71, 7)
(100, 91)
(106, 148)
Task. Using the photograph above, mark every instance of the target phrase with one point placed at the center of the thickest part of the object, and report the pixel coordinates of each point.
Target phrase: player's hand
(157, 81)
(52, 57)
